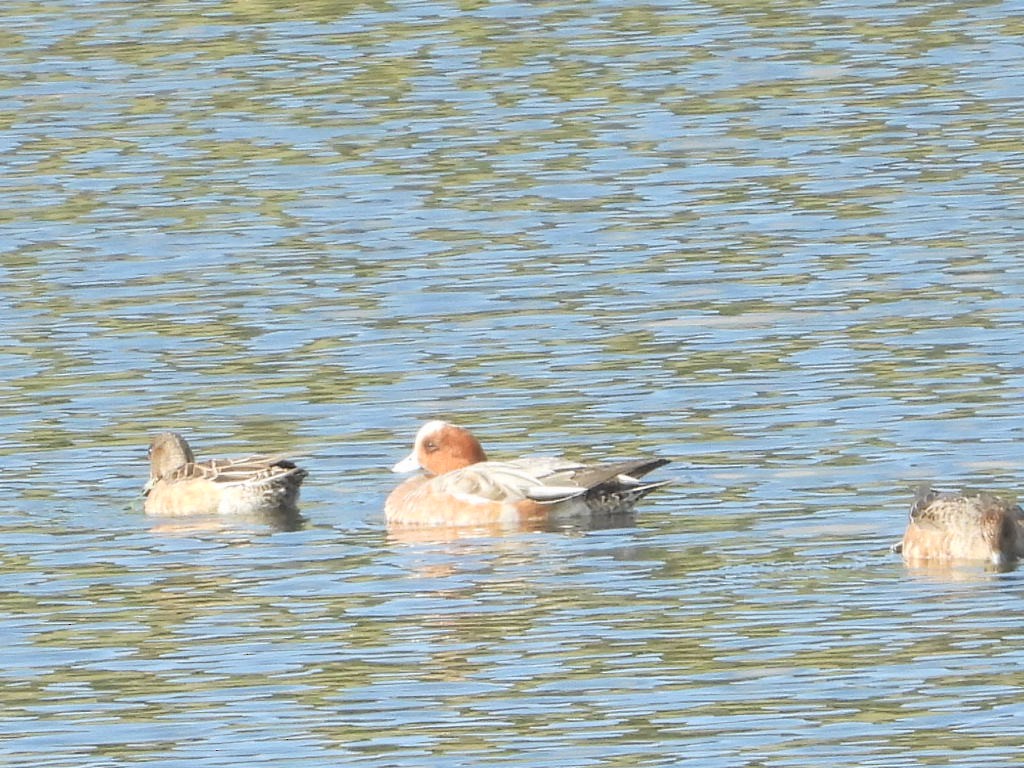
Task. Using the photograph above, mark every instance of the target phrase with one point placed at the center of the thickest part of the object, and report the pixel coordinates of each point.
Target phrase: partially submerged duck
(945, 527)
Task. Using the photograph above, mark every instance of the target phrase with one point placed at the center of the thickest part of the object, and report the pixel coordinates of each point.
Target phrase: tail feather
(642, 490)
(608, 488)
(597, 476)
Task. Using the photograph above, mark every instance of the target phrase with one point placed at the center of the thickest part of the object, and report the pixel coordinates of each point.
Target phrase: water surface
(776, 243)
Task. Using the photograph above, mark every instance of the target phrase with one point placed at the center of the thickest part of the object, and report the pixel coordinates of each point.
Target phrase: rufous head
(167, 452)
(441, 447)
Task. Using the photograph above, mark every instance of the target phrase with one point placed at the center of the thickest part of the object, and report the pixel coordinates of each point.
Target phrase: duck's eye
(430, 446)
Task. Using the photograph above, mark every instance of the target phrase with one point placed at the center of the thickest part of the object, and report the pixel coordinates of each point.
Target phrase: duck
(251, 486)
(948, 527)
(459, 486)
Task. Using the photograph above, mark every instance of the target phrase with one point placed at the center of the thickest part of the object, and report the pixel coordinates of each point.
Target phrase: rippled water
(777, 243)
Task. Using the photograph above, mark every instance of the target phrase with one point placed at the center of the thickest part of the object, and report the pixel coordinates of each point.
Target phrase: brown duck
(179, 485)
(954, 526)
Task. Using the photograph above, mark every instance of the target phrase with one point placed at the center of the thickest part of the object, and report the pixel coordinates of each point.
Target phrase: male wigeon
(952, 526)
(179, 485)
(462, 488)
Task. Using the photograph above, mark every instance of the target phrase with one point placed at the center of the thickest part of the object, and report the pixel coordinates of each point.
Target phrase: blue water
(778, 245)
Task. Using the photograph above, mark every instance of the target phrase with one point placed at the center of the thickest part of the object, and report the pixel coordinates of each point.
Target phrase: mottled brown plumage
(179, 485)
(953, 526)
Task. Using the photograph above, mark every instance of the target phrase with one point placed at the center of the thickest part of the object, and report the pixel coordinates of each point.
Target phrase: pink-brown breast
(420, 501)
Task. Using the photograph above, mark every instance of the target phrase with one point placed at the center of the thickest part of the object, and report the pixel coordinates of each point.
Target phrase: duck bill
(408, 464)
